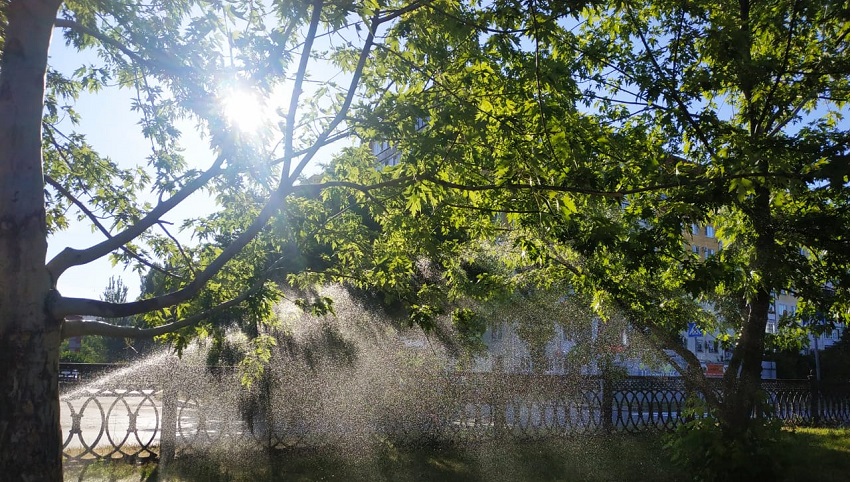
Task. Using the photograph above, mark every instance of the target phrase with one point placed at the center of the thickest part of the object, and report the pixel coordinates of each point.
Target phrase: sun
(245, 111)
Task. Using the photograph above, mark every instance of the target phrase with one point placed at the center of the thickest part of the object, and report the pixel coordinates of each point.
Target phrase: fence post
(815, 412)
(267, 408)
(168, 429)
(606, 402)
(498, 399)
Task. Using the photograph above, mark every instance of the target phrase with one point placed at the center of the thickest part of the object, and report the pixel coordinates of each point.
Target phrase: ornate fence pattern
(117, 420)
(112, 423)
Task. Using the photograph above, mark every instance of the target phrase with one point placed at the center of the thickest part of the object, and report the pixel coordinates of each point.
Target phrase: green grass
(812, 454)
(818, 454)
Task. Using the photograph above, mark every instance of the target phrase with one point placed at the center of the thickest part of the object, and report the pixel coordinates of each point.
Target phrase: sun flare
(245, 111)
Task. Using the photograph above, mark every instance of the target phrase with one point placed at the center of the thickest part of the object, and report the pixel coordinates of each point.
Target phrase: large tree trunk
(30, 439)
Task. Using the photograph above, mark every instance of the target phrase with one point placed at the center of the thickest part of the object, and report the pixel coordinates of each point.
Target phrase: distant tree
(92, 349)
(122, 349)
(800, 362)
(116, 292)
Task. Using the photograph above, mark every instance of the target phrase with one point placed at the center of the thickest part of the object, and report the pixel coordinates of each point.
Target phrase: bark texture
(30, 438)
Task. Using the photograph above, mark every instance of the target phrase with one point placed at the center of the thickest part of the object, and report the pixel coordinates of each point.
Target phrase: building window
(694, 229)
(710, 252)
(770, 328)
(713, 346)
(709, 231)
(695, 249)
(379, 147)
(782, 309)
(699, 346)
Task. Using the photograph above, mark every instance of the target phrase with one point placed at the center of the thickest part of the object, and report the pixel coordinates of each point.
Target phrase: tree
(178, 60)
(601, 133)
(92, 349)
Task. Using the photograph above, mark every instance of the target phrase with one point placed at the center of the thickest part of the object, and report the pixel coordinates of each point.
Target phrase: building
(508, 352)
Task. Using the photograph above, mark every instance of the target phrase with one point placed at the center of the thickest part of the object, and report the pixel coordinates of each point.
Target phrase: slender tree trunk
(30, 439)
(741, 392)
(742, 382)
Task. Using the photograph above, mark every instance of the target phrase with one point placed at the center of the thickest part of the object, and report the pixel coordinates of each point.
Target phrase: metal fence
(163, 414)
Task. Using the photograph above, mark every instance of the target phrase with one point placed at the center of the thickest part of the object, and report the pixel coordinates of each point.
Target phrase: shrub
(704, 449)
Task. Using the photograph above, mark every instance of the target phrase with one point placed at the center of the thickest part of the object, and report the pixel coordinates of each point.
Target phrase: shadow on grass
(814, 455)
(590, 459)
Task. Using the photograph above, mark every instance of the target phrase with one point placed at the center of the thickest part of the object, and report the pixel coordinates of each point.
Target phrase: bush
(704, 449)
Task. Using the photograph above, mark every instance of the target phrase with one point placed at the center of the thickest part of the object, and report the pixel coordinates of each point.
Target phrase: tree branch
(296, 93)
(402, 11)
(364, 188)
(521, 187)
(341, 114)
(135, 56)
(776, 116)
(781, 68)
(83, 328)
(691, 372)
(686, 114)
(187, 259)
(446, 89)
(545, 130)
(89, 214)
(404, 181)
(75, 257)
(686, 182)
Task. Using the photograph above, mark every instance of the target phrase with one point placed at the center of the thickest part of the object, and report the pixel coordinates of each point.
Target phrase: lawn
(818, 454)
(814, 455)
